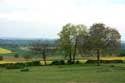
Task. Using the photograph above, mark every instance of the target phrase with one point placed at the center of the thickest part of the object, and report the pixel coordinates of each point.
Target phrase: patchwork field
(5, 51)
(87, 73)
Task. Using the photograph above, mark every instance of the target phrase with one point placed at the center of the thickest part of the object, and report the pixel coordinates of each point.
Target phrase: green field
(5, 51)
(85, 73)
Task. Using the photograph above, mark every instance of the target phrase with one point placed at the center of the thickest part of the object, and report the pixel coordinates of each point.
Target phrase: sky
(45, 18)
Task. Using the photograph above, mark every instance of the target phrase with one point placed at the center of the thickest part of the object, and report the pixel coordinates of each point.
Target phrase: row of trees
(98, 38)
(78, 39)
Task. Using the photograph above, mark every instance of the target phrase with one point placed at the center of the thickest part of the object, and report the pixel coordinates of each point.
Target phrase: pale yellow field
(113, 58)
(5, 51)
(82, 61)
(108, 58)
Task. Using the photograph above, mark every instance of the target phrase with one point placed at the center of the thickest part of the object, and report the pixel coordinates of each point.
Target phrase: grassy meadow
(75, 73)
(84, 73)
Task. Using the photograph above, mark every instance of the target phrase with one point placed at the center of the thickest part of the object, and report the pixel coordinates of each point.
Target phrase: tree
(65, 41)
(40, 48)
(79, 30)
(102, 38)
(69, 39)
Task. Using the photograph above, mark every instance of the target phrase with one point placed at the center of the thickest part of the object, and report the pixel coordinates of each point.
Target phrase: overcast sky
(45, 18)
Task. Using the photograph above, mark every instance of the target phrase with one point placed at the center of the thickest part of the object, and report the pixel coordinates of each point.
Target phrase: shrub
(28, 64)
(36, 63)
(77, 62)
(112, 61)
(91, 61)
(105, 61)
(20, 65)
(2, 65)
(70, 62)
(62, 62)
(15, 66)
(55, 62)
(58, 62)
(33, 63)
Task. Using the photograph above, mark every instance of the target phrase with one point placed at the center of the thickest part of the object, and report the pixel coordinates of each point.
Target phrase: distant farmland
(5, 51)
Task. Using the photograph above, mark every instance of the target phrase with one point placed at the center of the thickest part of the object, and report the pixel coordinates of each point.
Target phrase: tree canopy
(98, 37)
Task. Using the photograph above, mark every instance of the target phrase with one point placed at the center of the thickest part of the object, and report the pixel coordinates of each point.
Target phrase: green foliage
(20, 65)
(68, 39)
(122, 52)
(36, 63)
(58, 62)
(15, 66)
(32, 63)
(104, 61)
(78, 62)
(103, 37)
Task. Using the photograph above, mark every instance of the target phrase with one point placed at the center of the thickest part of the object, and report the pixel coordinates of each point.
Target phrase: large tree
(69, 39)
(103, 38)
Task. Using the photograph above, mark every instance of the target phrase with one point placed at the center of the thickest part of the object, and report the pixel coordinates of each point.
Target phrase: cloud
(49, 14)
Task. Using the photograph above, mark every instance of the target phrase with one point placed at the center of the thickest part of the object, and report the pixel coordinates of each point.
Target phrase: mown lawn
(85, 73)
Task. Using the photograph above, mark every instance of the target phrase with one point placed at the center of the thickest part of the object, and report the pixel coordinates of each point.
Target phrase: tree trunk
(70, 56)
(98, 57)
(44, 57)
(74, 54)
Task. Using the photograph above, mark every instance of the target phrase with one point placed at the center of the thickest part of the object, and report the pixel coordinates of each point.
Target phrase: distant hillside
(24, 41)
(123, 45)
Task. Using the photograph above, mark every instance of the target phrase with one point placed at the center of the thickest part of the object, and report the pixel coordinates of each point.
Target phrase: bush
(55, 62)
(70, 62)
(58, 62)
(2, 65)
(91, 61)
(62, 62)
(28, 64)
(77, 62)
(112, 61)
(15, 66)
(33, 63)
(20, 65)
(36, 63)
(105, 61)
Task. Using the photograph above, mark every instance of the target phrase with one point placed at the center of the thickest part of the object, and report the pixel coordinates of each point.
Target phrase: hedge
(105, 61)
